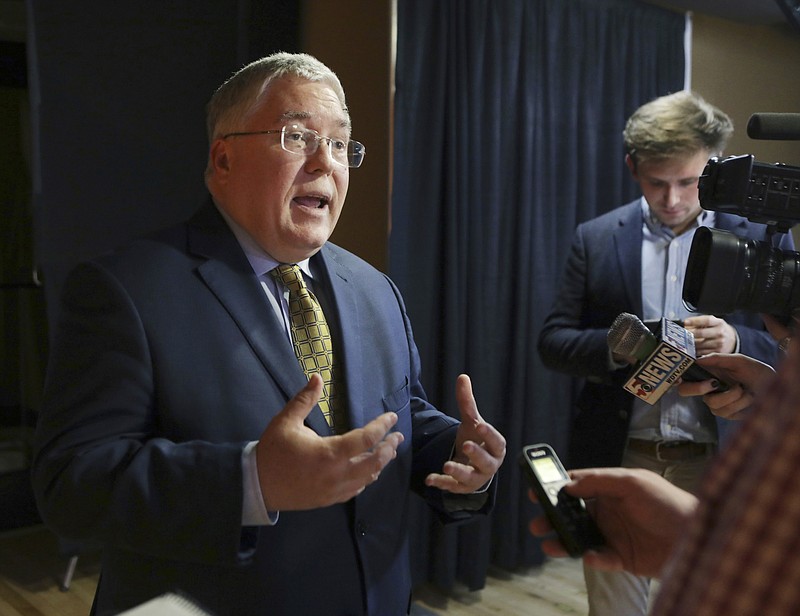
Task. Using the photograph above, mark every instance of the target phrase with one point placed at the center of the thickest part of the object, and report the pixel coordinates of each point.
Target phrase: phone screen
(547, 470)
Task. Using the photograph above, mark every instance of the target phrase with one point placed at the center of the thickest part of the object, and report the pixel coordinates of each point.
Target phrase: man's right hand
(299, 469)
(640, 514)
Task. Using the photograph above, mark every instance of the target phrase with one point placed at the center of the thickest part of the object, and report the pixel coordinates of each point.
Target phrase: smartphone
(567, 514)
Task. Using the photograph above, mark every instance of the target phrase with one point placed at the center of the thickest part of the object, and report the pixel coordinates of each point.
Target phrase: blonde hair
(675, 125)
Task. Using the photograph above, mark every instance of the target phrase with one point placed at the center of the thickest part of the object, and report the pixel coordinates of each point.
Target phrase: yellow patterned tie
(312, 339)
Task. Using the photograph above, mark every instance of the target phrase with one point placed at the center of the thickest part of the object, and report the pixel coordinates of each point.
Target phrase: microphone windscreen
(625, 334)
(776, 126)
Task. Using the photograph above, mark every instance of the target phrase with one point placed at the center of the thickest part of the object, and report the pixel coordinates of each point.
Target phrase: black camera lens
(725, 273)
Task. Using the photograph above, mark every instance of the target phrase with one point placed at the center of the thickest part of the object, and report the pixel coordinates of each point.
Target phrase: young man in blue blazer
(633, 259)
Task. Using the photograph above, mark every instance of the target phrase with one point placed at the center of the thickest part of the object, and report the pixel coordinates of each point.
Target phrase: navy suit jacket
(601, 279)
(166, 361)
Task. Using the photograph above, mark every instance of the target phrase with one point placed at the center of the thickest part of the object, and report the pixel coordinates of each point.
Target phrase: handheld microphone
(775, 126)
(661, 359)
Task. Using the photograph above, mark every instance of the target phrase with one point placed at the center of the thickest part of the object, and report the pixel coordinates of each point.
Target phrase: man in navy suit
(632, 259)
(178, 428)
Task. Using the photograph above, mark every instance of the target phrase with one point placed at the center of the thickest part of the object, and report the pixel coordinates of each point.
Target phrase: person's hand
(746, 376)
(299, 469)
(479, 448)
(781, 331)
(641, 515)
(711, 334)
(776, 328)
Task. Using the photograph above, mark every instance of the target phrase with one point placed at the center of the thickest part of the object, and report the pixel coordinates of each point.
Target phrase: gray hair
(675, 125)
(241, 94)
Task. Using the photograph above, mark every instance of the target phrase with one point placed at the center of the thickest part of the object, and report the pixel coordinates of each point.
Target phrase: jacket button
(361, 529)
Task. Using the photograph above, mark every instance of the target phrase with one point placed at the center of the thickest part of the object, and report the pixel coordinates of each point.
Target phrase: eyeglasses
(304, 141)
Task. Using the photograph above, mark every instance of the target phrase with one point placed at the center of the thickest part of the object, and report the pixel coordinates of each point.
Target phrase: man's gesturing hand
(479, 448)
(299, 469)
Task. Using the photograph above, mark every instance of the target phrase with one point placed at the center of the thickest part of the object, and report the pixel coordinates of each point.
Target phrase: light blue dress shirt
(664, 257)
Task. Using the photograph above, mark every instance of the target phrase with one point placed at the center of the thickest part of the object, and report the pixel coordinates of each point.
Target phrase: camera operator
(632, 260)
(734, 549)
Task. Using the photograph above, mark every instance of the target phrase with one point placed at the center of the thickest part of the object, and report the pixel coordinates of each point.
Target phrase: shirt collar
(260, 261)
(706, 218)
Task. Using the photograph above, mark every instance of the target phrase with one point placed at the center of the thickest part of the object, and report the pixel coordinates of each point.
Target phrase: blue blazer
(601, 279)
(166, 360)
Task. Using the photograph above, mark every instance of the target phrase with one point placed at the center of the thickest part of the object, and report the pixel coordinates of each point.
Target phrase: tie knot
(289, 275)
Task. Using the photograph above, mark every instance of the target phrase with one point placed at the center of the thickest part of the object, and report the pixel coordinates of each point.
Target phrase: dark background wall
(117, 107)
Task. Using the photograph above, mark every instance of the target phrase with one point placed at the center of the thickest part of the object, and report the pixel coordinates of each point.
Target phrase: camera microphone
(661, 359)
(775, 126)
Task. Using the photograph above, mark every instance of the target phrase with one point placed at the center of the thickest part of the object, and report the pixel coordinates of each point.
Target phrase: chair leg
(65, 583)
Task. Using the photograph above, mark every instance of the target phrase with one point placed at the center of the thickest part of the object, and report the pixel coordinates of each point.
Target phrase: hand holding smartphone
(567, 514)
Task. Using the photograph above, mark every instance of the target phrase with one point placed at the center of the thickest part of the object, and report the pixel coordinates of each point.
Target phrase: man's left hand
(479, 448)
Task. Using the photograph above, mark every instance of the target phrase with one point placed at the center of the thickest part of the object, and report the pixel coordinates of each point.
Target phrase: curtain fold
(508, 132)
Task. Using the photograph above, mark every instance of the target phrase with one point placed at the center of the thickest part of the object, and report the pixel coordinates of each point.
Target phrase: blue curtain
(508, 132)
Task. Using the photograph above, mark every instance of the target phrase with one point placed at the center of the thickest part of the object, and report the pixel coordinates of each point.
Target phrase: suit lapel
(228, 275)
(627, 237)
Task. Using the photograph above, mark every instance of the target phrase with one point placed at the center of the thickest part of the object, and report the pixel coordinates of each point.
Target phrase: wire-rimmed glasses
(297, 139)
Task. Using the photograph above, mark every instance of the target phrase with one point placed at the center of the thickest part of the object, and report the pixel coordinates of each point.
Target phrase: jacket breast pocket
(399, 401)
